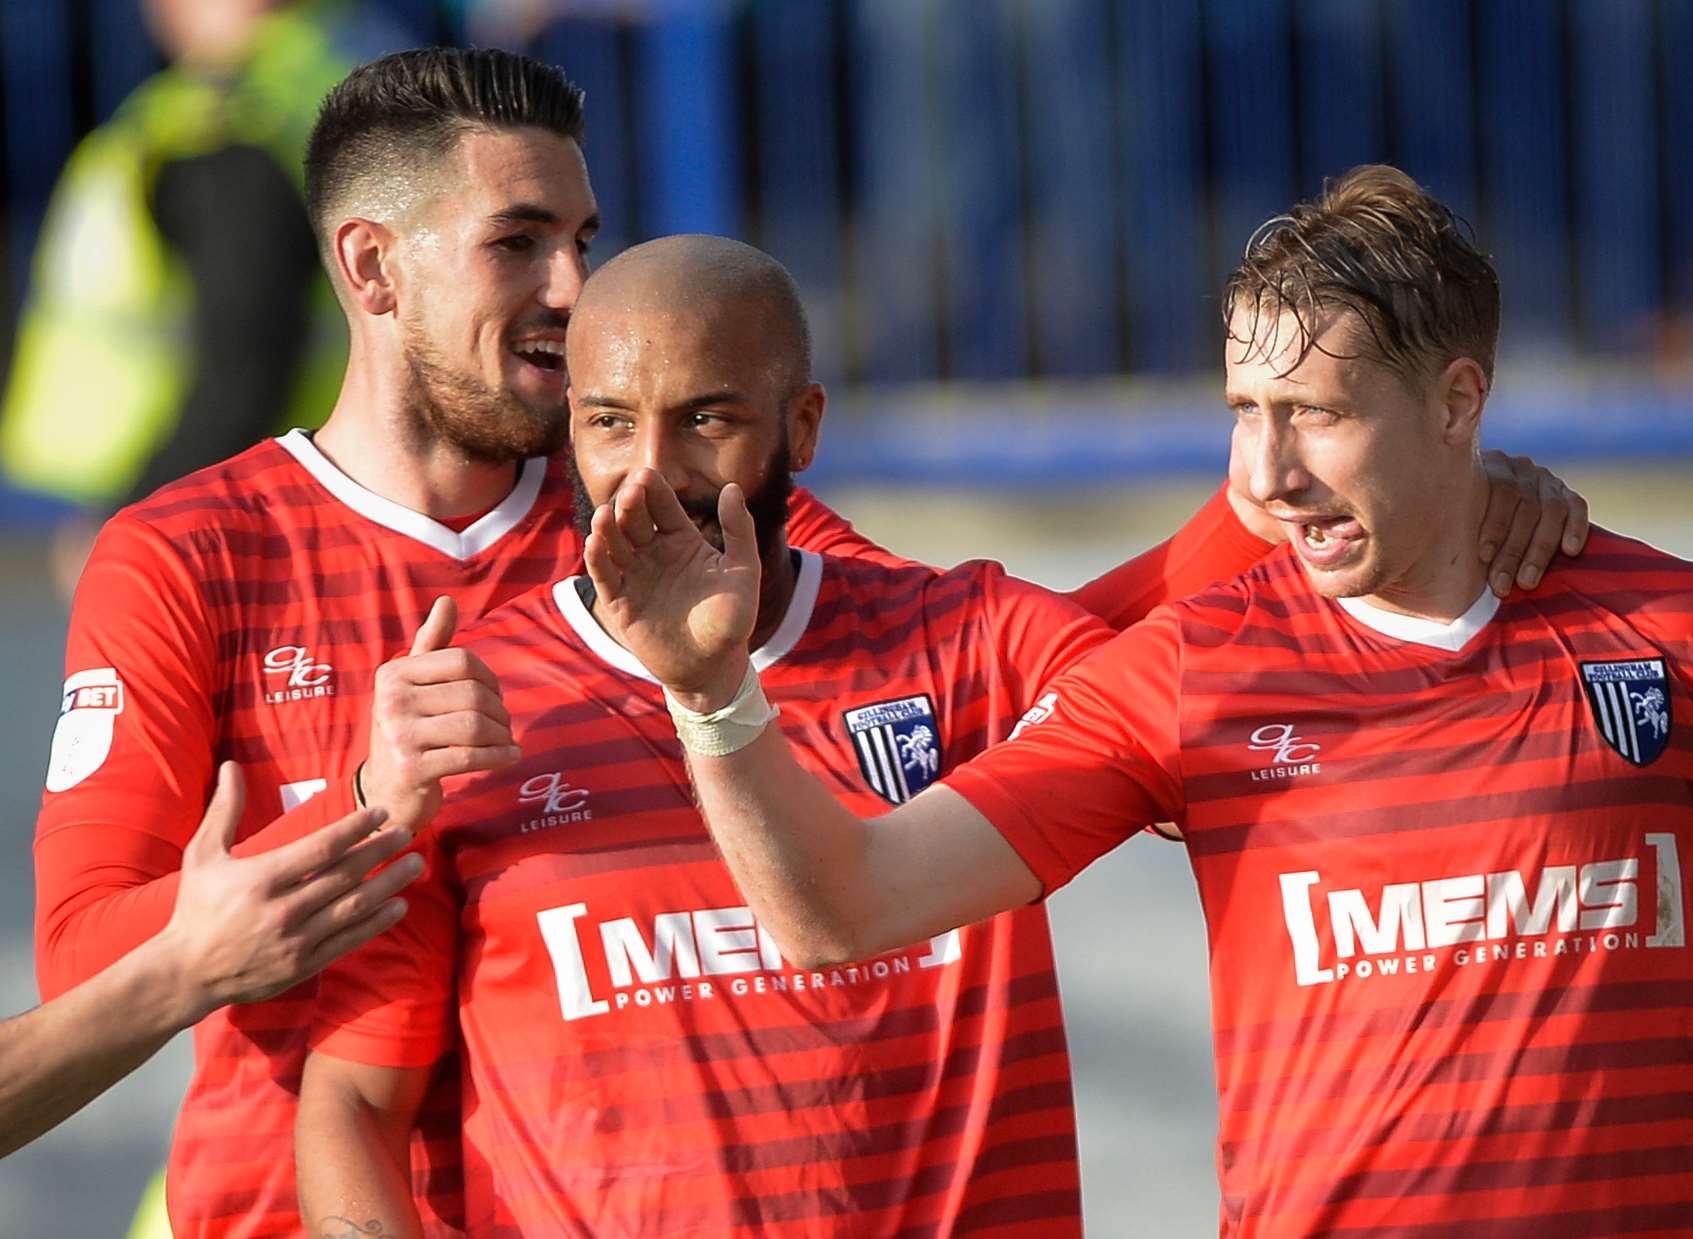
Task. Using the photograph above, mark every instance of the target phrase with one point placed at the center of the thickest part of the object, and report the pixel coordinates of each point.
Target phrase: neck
(1447, 576)
(373, 438)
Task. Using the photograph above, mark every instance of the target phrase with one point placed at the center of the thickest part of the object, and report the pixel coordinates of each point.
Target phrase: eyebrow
(703, 401)
(533, 213)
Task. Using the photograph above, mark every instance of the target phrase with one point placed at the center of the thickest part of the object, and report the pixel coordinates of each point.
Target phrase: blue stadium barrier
(979, 199)
(1073, 177)
(1524, 168)
(1250, 98)
(688, 149)
(799, 186)
(122, 53)
(1338, 51)
(1616, 185)
(895, 285)
(1051, 442)
(1675, 53)
(592, 55)
(35, 57)
(1431, 111)
(1164, 227)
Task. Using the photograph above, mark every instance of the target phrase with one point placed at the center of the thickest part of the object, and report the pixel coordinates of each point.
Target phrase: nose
(566, 273)
(656, 449)
(1273, 451)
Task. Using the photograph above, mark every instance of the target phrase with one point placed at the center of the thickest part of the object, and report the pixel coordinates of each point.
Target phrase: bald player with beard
(637, 1058)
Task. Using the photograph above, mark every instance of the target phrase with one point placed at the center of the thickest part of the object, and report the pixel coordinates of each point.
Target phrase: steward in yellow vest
(178, 312)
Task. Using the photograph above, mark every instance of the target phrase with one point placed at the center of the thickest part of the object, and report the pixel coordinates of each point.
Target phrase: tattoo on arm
(338, 1227)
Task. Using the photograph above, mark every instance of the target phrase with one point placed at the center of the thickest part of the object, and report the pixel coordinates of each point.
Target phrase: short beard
(488, 426)
(768, 505)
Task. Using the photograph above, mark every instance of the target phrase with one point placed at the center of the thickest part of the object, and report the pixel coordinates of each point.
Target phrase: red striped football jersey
(241, 613)
(639, 1060)
(1444, 874)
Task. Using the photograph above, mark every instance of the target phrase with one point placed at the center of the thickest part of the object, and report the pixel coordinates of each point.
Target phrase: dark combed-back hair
(412, 107)
(1375, 243)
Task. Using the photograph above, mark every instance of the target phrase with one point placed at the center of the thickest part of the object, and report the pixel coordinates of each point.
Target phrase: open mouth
(543, 354)
(1326, 540)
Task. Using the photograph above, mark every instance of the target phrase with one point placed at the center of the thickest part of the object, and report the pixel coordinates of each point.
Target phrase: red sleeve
(812, 526)
(132, 759)
(391, 1003)
(1094, 761)
(1038, 635)
(1213, 546)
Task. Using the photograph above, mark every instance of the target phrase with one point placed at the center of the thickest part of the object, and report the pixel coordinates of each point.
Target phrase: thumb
(216, 832)
(740, 535)
(436, 632)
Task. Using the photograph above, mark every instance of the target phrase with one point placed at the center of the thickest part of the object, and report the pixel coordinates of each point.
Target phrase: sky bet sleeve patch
(92, 701)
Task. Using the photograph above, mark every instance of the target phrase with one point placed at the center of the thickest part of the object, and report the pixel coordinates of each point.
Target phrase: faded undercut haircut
(389, 118)
(1375, 243)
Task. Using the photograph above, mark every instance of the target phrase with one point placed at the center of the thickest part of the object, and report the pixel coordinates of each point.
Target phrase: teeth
(1315, 535)
(553, 347)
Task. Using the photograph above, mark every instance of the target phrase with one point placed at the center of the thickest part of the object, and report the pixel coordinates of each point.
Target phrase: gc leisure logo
(291, 674)
(559, 803)
(1290, 755)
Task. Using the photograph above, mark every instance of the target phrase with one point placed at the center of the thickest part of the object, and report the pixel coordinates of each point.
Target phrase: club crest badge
(1630, 700)
(899, 745)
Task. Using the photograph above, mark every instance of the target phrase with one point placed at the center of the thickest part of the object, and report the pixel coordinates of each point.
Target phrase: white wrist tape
(728, 730)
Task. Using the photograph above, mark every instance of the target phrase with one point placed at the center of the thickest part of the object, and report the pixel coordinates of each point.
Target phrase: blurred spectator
(178, 312)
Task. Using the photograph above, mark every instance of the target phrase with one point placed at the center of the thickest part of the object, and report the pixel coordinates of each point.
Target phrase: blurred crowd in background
(969, 191)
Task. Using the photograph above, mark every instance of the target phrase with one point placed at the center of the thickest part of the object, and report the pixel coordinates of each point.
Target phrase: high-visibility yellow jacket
(103, 357)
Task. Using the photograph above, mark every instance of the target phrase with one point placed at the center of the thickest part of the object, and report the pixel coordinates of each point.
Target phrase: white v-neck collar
(794, 622)
(487, 529)
(1449, 635)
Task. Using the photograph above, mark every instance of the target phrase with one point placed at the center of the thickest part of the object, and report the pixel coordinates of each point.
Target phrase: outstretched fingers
(325, 847)
(359, 930)
(348, 892)
(740, 534)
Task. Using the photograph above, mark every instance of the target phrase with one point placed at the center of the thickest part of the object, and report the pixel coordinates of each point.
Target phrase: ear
(805, 425)
(1461, 393)
(363, 249)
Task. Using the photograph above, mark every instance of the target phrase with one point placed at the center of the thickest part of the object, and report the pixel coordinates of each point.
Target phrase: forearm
(57, 1058)
(352, 1164)
(810, 888)
(1216, 544)
(833, 887)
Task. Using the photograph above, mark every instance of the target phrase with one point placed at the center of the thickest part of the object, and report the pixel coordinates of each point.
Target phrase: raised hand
(247, 928)
(1531, 516)
(685, 609)
(435, 712)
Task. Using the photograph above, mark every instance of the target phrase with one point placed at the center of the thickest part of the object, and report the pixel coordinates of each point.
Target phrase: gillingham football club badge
(1630, 700)
(899, 745)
